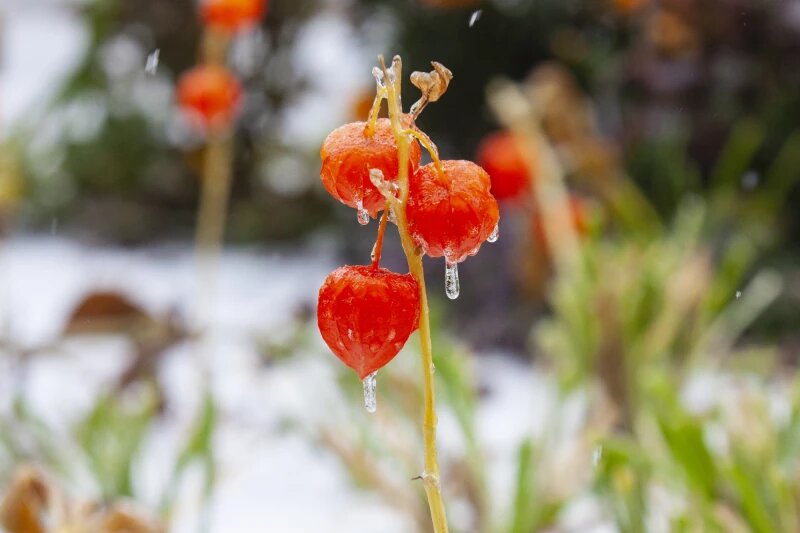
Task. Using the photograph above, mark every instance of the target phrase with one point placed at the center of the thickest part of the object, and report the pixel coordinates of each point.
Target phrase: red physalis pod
(232, 15)
(451, 214)
(366, 314)
(503, 158)
(348, 154)
(210, 94)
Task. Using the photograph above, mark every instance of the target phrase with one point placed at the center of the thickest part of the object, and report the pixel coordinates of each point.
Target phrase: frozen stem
(380, 94)
(414, 258)
(427, 143)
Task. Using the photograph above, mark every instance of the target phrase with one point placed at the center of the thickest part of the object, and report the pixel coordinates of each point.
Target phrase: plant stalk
(430, 476)
(214, 193)
(551, 197)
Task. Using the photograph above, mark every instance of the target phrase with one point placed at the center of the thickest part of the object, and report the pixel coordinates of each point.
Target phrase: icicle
(451, 285)
(395, 69)
(394, 74)
(363, 215)
(495, 233)
(384, 186)
(370, 400)
(372, 253)
(392, 216)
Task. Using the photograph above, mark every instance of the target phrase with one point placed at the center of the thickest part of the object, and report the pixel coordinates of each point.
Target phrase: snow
(42, 42)
(270, 479)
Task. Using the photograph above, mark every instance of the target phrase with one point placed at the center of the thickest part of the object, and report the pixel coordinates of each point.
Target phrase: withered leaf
(105, 312)
(23, 506)
(431, 84)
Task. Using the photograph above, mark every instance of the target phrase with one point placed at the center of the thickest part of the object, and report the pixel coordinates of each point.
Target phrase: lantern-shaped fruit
(210, 94)
(366, 314)
(502, 157)
(451, 214)
(232, 15)
(349, 153)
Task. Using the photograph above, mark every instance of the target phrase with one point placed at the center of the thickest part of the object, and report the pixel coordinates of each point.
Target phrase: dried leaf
(123, 518)
(431, 84)
(105, 312)
(24, 504)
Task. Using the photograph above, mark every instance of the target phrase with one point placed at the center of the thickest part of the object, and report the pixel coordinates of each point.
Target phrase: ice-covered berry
(348, 154)
(210, 94)
(450, 214)
(366, 314)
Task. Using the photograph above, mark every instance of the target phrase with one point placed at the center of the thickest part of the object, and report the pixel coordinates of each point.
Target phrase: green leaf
(199, 447)
(111, 436)
(737, 155)
(753, 497)
(783, 174)
(684, 438)
(523, 514)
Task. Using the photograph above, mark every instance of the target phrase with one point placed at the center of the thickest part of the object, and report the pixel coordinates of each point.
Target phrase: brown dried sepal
(431, 84)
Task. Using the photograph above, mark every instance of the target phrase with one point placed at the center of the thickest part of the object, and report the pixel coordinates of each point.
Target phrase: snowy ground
(270, 480)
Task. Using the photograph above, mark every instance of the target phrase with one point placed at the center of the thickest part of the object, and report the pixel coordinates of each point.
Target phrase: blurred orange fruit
(210, 94)
(232, 15)
(626, 7)
(502, 157)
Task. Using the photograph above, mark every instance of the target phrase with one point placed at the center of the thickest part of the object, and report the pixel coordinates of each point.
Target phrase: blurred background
(621, 361)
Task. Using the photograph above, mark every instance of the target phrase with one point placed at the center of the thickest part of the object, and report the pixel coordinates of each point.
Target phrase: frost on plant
(443, 209)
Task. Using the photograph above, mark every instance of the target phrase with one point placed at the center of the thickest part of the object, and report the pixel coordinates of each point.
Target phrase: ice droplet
(474, 17)
(392, 216)
(363, 215)
(738, 294)
(394, 70)
(384, 186)
(378, 75)
(451, 285)
(151, 66)
(370, 400)
(495, 233)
